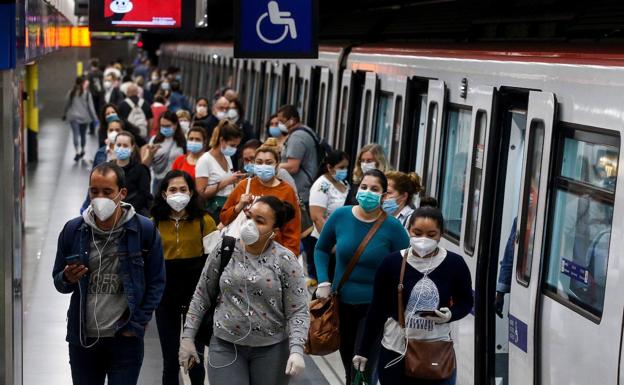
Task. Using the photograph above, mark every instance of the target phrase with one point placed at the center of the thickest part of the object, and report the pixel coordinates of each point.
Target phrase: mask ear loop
(411, 315)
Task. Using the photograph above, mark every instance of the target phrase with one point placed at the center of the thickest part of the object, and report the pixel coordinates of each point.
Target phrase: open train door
(524, 295)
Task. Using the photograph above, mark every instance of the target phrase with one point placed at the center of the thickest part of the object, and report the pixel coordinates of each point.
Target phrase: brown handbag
(324, 331)
(427, 360)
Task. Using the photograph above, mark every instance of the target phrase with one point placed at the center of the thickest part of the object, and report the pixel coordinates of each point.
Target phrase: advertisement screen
(132, 15)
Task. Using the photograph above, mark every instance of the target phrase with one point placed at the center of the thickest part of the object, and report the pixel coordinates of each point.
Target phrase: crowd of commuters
(172, 181)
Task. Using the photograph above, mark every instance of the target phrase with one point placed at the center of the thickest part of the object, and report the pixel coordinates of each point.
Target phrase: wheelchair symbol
(277, 18)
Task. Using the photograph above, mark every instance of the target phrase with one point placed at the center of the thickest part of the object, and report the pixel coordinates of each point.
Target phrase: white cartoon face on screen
(121, 6)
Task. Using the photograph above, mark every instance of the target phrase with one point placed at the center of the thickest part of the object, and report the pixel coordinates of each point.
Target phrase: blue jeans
(118, 358)
(79, 131)
(169, 320)
(395, 375)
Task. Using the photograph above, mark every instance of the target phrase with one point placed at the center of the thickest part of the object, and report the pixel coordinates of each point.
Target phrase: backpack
(322, 149)
(137, 116)
(204, 333)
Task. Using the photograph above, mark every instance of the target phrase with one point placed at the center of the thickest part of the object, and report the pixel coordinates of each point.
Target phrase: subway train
(499, 134)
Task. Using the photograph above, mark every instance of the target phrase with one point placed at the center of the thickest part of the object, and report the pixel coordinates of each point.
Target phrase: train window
(455, 150)
(321, 109)
(430, 140)
(476, 176)
(366, 123)
(528, 224)
(382, 129)
(579, 234)
(396, 131)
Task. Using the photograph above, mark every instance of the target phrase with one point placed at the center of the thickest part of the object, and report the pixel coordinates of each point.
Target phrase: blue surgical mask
(228, 151)
(167, 131)
(194, 147)
(275, 132)
(265, 172)
(368, 200)
(249, 168)
(123, 153)
(390, 205)
(112, 118)
(341, 175)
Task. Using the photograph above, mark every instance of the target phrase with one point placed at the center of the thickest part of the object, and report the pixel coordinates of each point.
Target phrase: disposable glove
(295, 365)
(323, 290)
(187, 356)
(359, 363)
(443, 315)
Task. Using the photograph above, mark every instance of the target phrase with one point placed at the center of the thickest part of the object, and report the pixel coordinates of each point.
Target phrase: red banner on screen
(144, 13)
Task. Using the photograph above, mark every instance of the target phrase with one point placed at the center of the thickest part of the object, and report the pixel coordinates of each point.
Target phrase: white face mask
(185, 125)
(221, 115)
(108, 84)
(249, 233)
(112, 136)
(178, 201)
(232, 114)
(201, 110)
(423, 246)
(367, 166)
(103, 208)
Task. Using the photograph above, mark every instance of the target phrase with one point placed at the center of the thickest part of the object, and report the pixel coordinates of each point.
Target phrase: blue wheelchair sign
(276, 29)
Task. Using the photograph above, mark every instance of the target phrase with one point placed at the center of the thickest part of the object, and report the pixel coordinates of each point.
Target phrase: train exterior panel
(531, 136)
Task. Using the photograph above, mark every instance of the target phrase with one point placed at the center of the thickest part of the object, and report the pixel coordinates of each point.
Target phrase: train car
(499, 135)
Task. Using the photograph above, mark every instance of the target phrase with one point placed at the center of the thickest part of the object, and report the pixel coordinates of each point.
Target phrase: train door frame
(394, 87)
(349, 115)
(413, 121)
(437, 95)
(368, 109)
(324, 102)
(292, 93)
(523, 295)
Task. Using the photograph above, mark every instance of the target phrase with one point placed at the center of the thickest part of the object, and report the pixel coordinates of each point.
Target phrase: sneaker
(76, 157)
(82, 154)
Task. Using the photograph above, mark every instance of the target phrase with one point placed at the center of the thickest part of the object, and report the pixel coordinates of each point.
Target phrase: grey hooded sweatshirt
(106, 302)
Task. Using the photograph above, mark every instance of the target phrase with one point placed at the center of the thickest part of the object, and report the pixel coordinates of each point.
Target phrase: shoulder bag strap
(400, 290)
(356, 256)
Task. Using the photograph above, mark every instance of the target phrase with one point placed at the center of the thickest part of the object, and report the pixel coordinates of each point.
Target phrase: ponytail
(225, 130)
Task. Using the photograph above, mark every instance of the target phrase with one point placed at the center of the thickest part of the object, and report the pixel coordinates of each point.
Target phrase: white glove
(323, 290)
(443, 315)
(359, 363)
(187, 356)
(295, 364)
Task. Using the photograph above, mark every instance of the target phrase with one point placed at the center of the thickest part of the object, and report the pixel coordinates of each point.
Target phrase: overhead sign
(7, 35)
(276, 29)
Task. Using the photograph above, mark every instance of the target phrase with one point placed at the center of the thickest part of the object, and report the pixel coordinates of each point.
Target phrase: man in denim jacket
(111, 260)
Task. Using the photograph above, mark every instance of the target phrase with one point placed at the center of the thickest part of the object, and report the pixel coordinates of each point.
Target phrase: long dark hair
(161, 210)
(178, 135)
(77, 87)
(103, 127)
(331, 160)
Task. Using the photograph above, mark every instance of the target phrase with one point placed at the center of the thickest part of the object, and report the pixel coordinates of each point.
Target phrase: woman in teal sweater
(345, 229)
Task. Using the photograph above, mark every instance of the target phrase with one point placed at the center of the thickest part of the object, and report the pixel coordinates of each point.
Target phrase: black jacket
(138, 183)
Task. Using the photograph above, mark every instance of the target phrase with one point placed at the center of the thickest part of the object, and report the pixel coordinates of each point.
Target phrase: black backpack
(322, 149)
(204, 333)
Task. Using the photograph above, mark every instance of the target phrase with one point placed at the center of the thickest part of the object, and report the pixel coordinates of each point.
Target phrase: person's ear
(164, 195)
(123, 193)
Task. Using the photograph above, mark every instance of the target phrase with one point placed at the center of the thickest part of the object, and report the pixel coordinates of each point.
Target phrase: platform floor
(55, 189)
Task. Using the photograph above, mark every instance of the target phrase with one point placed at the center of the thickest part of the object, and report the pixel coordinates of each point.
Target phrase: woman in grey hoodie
(80, 112)
(261, 320)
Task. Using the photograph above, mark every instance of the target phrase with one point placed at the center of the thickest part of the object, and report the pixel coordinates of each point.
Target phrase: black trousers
(169, 320)
(352, 319)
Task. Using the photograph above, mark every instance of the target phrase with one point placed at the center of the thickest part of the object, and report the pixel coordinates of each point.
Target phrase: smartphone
(73, 260)
(426, 313)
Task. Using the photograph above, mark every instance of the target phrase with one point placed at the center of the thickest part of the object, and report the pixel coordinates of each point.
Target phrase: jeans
(309, 243)
(118, 358)
(79, 131)
(352, 320)
(395, 375)
(231, 364)
(169, 319)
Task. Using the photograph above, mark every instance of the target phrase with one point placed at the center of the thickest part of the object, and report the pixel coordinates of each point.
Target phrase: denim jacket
(142, 271)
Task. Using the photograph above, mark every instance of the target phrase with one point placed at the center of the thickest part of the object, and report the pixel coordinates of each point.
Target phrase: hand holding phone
(74, 269)
(426, 313)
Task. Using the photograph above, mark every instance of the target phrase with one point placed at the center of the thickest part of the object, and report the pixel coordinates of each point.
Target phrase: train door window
(275, 81)
(366, 123)
(476, 176)
(396, 131)
(579, 231)
(344, 104)
(455, 150)
(383, 128)
(430, 141)
(528, 224)
(321, 109)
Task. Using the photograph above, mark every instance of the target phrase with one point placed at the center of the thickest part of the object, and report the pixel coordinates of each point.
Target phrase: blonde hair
(183, 114)
(270, 145)
(380, 159)
(405, 183)
(225, 130)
